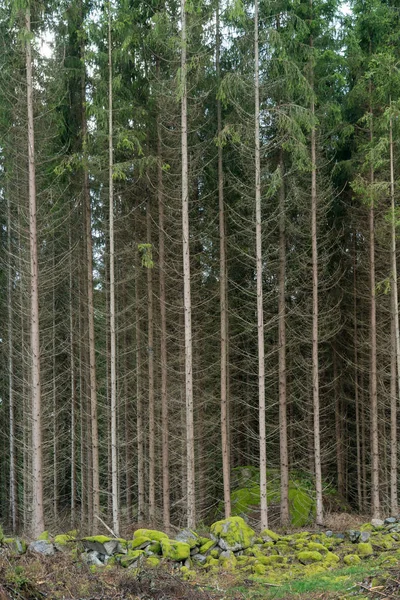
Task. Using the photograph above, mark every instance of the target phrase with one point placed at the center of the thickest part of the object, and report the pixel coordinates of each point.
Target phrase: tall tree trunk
(55, 407)
(73, 385)
(315, 365)
(190, 491)
(356, 386)
(150, 344)
(37, 525)
(10, 299)
(113, 350)
(338, 428)
(259, 272)
(223, 295)
(139, 399)
(283, 434)
(396, 345)
(163, 332)
(375, 502)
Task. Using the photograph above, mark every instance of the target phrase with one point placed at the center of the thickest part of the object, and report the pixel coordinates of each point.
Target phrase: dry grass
(341, 521)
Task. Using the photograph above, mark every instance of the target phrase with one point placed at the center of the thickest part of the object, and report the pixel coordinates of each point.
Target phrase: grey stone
(226, 554)
(188, 563)
(189, 537)
(354, 535)
(377, 522)
(390, 521)
(339, 536)
(199, 558)
(329, 533)
(93, 558)
(365, 535)
(109, 547)
(43, 547)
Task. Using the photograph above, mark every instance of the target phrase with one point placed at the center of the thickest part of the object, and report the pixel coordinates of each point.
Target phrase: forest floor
(30, 577)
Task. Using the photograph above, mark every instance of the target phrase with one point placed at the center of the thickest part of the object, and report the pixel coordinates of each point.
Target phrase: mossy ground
(58, 577)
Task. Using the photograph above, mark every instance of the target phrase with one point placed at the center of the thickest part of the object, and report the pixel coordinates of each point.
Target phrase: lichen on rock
(177, 551)
(233, 534)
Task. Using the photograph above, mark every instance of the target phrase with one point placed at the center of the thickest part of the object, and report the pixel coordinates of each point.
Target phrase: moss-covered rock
(259, 569)
(364, 549)
(269, 536)
(189, 537)
(103, 544)
(173, 550)
(314, 546)
(152, 561)
(207, 546)
(131, 557)
(351, 559)
(139, 543)
(307, 557)
(273, 561)
(154, 548)
(233, 534)
(152, 534)
(45, 536)
(15, 545)
(331, 559)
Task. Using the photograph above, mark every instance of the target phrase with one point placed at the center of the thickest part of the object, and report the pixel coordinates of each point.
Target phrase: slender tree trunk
(190, 491)
(356, 387)
(55, 407)
(283, 433)
(259, 270)
(73, 387)
(315, 365)
(338, 428)
(163, 333)
(152, 432)
(113, 350)
(223, 299)
(37, 524)
(139, 401)
(10, 299)
(396, 345)
(375, 502)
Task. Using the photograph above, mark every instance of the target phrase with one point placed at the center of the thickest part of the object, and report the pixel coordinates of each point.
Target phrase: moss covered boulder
(140, 542)
(233, 534)
(173, 550)
(364, 549)
(307, 557)
(351, 559)
(152, 534)
(15, 545)
(131, 558)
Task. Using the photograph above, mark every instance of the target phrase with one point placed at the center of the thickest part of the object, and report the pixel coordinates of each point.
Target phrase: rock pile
(232, 546)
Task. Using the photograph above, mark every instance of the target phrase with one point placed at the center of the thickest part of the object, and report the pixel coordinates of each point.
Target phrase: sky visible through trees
(198, 218)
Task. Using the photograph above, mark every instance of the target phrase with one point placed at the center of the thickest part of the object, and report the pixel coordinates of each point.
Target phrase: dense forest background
(198, 221)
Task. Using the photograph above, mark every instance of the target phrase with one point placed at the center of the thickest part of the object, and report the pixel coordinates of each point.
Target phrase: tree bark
(37, 524)
(113, 348)
(259, 273)
(283, 434)
(150, 349)
(190, 491)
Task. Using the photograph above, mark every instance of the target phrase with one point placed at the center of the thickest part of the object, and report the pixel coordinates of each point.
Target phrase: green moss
(131, 557)
(364, 549)
(313, 569)
(267, 536)
(331, 559)
(152, 534)
(208, 545)
(351, 559)
(138, 541)
(63, 540)
(178, 551)
(387, 560)
(284, 548)
(16, 545)
(152, 561)
(274, 560)
(318, 547)
(188, 574)
(215, 553)
(234, 532)
(154, 548)
(259, 569)
(100, 539)
(307, 557)
(366, 527)
(383, 541)
(44, 536)
(212, 562)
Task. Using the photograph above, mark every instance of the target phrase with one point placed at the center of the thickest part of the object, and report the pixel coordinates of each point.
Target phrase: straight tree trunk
(223, 299)
(375, 502)
(338, 428)
(356, 386)
(259, 272)
(163, 333)
(150, 326)
(37, 524)
(283, 434)
(10, 299)
(190, 488)
(396, 345)
(139, 400)
(73, 386)
(315, 365)
(113, 350)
